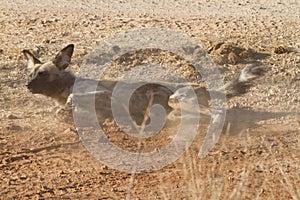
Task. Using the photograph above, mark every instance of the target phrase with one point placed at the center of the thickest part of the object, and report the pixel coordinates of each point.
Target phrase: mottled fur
(53, 80)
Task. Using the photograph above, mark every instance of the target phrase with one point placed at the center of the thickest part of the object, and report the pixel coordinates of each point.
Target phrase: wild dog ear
(31, 59)
(63, 58)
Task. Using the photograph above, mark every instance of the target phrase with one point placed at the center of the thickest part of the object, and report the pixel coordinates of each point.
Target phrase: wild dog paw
(64, 114)
(69, 104)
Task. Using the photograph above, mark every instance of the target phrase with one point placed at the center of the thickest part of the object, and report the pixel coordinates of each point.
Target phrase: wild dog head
(50, 78)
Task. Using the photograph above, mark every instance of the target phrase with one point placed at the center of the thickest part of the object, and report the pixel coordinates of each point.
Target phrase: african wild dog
(53, 80)
(50, 78)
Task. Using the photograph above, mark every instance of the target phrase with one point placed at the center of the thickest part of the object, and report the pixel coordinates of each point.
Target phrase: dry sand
(256, 157)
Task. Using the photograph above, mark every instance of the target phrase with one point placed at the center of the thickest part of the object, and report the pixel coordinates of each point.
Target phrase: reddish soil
(257, 155)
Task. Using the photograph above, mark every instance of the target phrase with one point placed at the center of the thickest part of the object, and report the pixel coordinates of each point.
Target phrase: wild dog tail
(245, 80)
(236, 87)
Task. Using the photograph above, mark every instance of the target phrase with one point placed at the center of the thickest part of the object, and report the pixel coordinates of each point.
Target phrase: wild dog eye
(42, 73)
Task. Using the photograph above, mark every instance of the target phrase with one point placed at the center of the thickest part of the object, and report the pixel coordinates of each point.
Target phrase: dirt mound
(228, 53)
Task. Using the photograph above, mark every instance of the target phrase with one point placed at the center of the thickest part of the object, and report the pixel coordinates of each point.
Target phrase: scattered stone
(14, 127)
(280, 50)
(23, 177)
(227, 53)
(11, 116)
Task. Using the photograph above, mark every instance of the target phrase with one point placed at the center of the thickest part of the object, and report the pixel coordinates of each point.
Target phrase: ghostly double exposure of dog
(53, 80)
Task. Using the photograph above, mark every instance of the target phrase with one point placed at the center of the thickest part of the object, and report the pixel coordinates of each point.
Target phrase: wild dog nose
(28, 85)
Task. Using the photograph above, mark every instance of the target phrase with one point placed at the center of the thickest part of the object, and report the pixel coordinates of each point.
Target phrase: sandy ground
(257, 155)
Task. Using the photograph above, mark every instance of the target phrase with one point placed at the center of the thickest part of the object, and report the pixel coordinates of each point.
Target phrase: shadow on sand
(243, 119)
